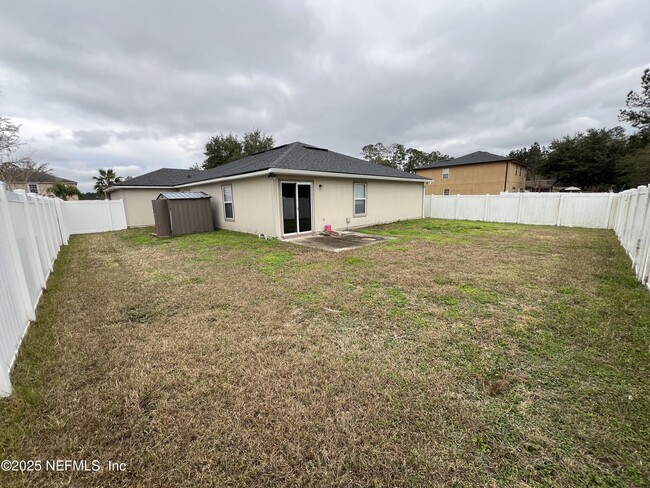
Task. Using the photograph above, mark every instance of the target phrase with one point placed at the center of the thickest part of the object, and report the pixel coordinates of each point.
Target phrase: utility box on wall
(178, 213)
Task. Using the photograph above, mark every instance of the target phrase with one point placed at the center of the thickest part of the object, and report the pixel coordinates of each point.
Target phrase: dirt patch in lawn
(457, 353)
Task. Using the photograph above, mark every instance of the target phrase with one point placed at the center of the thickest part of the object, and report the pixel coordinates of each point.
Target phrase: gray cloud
(141, 85)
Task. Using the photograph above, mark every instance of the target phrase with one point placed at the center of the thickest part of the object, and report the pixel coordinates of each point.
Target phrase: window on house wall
(514, 189)
(445, 173)
(359, 199)
(33, 188)
(228, 210)
(446, 191)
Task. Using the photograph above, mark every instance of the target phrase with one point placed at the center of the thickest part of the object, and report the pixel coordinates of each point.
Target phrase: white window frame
(355, 199)
(446, 191)
(445, 173)
(232, 205)
(35, 185)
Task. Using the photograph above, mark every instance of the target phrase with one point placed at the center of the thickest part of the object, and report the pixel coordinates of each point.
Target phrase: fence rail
(627, 213)
(32, 231)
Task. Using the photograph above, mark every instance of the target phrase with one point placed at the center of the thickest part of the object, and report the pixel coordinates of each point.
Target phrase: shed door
(161, 217)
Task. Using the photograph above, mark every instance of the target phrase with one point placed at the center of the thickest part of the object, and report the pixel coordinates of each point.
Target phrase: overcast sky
(140, 85)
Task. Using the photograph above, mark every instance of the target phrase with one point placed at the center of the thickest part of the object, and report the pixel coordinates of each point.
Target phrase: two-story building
(478, 173)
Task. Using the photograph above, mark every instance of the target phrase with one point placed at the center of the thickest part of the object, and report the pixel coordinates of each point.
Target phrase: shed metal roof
(183, 195)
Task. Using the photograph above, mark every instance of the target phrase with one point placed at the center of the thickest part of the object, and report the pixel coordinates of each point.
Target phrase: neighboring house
(478, 173)
(38, 182)
(288, 190)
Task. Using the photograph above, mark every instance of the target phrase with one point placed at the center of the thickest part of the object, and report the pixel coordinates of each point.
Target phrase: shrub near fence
(32, 231)
(626, 212)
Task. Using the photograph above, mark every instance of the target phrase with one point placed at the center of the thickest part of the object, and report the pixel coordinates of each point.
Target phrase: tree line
(598, 159)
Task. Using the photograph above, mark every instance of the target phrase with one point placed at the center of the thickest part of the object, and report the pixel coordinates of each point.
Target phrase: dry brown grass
(459, 353)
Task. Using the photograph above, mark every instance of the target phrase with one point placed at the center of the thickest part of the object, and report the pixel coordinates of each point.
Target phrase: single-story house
(291, 189)
(477, 173)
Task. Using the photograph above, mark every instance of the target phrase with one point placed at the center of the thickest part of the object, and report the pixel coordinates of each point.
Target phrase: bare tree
(9, 138)
(16, 169)
(18, 172)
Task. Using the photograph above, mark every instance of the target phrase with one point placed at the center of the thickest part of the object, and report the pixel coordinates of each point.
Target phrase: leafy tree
(255, 142)
(638, 105)
(220, 149)
(89, 195)
(635, 167)
(63, 191)
(106, 178)
(588, 160)
(399, 157)
(417, 158)
(376, 153)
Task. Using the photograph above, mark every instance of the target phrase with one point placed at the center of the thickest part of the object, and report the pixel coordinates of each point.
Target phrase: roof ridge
(284, 154)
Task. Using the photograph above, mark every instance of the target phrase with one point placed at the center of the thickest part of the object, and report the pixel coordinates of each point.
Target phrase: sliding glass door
(296, 208)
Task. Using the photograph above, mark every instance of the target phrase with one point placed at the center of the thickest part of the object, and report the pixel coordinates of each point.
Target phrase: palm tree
(63, 191)
(106, 178)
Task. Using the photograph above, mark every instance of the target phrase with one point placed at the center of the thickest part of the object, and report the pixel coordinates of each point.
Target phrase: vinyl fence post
(33, 246)
(485, 209)
(521, 199)
(558, 219)
(456, 206)
(110, 217)
(15, 264)
(608, 212)
(63, 227)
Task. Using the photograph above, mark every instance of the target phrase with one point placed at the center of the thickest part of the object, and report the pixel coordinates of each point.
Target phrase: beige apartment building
(478, 173)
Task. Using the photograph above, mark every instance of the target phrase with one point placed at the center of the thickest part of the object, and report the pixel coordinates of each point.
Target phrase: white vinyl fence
(32, 230)
(626, 212)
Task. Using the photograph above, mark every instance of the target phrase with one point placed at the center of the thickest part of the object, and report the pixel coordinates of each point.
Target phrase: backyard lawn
(459, 353)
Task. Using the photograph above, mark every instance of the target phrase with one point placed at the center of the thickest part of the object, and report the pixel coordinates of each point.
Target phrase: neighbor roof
(295, 156)
(43, 177)
(472, 158)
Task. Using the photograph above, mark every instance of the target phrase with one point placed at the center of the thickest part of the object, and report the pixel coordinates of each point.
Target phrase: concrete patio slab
(337, 242)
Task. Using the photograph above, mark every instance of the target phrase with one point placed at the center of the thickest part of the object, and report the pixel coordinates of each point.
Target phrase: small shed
(183, 212)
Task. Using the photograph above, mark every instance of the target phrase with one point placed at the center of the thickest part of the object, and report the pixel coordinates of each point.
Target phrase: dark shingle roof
(472, 158)
(43, 177)
(295, 156)
(303, 157)
(162, 177)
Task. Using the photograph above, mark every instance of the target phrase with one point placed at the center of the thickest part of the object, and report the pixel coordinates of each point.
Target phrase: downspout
(505, 183)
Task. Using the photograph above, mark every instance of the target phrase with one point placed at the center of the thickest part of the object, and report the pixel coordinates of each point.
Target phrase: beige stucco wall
(476, 179)
(257, 203)
(253, 206)
(137, 204)
(333, 203)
